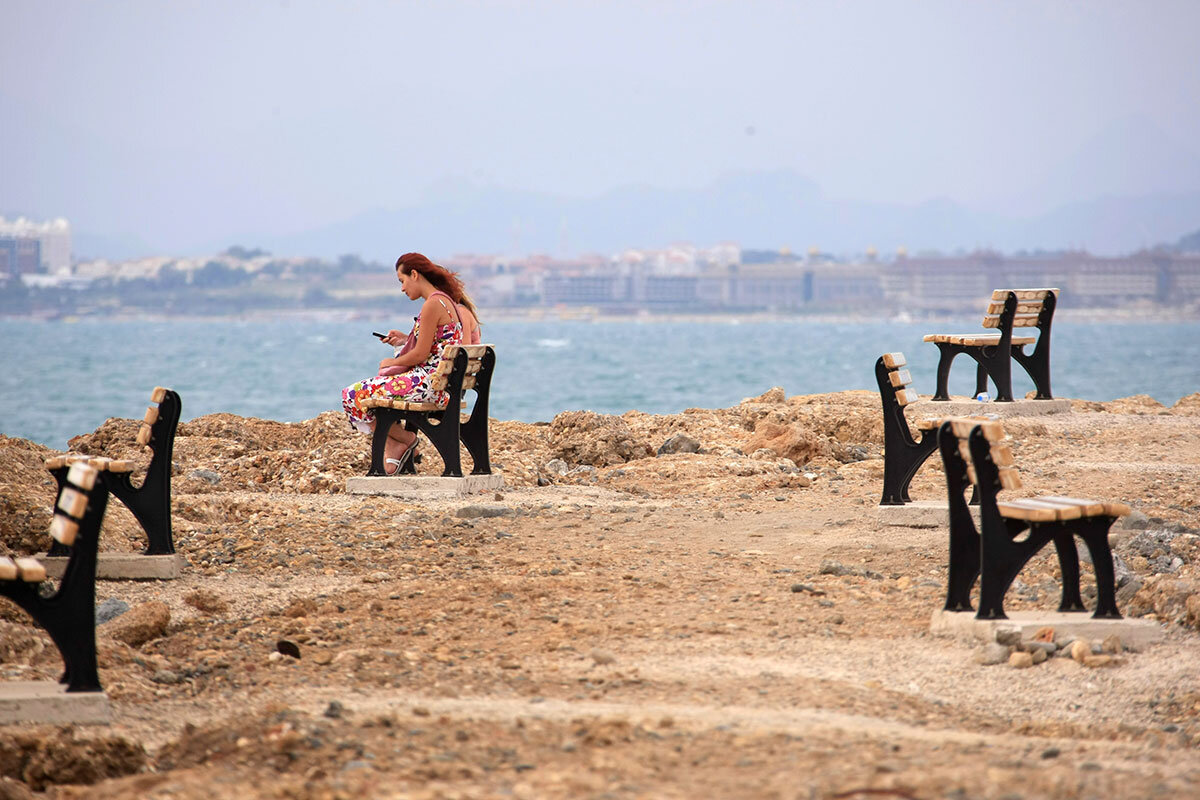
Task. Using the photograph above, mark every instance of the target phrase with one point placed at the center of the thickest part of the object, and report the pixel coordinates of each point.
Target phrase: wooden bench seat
(69, 613)
(976, 453)
(462, 368)
(1008, 309)
(98, 463)
(150, 502)
(975, 339)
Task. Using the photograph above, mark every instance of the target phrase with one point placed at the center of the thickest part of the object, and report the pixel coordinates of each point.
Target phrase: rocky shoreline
(697, 604)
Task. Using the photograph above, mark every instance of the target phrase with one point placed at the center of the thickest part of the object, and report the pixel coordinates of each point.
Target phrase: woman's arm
(432, 315)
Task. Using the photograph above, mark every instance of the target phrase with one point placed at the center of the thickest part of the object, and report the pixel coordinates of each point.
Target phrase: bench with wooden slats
(467, 367)
(902, 454)
(976, 452)
(1007, 310)
(68, 614)
(151, 501)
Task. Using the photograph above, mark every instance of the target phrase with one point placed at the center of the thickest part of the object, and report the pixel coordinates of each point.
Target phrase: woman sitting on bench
(408, 376)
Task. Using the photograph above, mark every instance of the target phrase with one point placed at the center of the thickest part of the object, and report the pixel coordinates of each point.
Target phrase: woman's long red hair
(441, 278)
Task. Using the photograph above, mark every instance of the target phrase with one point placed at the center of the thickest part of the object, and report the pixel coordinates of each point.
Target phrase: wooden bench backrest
(1029, 307)
(1001, 453)
(157, 396)
(70, 508)
(899, 378)
(475, 353)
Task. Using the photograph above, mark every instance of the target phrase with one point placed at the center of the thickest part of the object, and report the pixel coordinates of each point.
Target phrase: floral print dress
(414, 385)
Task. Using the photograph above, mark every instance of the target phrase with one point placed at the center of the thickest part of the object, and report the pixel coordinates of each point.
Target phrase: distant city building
(51, 241)
(20, 255)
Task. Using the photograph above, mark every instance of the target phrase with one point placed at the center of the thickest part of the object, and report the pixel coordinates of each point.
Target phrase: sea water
(59, 379)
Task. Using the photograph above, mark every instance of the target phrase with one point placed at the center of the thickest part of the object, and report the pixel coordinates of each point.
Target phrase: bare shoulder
(433, 312)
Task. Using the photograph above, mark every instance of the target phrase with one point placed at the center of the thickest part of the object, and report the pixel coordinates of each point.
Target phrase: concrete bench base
(123, 567)
(966, 408)
(1136, 633)
(48, 702)
(425, 487)
(919, 514)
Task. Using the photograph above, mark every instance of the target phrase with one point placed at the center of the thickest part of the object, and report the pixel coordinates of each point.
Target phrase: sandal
(399, 463)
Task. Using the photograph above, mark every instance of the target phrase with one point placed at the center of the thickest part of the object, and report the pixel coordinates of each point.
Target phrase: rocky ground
(693, 605)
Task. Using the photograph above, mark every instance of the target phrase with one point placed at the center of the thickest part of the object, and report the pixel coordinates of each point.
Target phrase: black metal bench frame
(444, 427)
(995, 361)
(996, 555)
(150, 503)
(902, 456)
(69, 615)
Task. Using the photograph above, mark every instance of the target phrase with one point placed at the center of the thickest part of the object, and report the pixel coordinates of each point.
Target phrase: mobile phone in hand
(381, 336)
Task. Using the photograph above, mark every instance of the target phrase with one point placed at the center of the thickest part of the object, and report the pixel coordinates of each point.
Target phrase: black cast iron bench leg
(1037, 363)
(149, 503)
(69, 615)
(474, 431)
(902, 456)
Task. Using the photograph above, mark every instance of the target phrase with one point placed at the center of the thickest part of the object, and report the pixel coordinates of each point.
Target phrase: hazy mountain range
(1145, 185)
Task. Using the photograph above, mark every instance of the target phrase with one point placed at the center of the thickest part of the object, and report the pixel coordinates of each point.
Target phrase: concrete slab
(48, 702)
(919, 514)
(967, 407)
(123, 567)
(423, 487)
(1135, 633)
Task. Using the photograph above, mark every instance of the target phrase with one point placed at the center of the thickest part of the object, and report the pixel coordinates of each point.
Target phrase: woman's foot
(392, 466)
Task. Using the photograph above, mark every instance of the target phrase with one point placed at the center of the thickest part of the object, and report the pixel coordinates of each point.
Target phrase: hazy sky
(190, 122)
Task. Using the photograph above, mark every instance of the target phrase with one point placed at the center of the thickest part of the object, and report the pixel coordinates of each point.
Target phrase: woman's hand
(396, 338)
(388, 362)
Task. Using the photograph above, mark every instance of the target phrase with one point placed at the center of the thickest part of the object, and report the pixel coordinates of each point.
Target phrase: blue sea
(61, 378)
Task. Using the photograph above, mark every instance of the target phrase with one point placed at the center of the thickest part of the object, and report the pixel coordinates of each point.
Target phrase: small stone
(420, 711)
(1098, 661)
(166, 677)
(483, 510)
(322, 657)
(1008, 636)
(1044, 635)
(110, 609)
(376, 577)
(1112, 644)
(807, 587)
(1038, 655)
(1051, 752)
(1081, 649)
(206, 475)
(1136, 521)
(990, 654)
(334, 710)
(1045, 648)
(1019, 660)
(679, 443)
(141, 624)
(556, 466)
(206, 600)
(603, 657)
(837, 619)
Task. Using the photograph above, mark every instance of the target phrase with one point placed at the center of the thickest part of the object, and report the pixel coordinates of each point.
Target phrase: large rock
(140, 624)
(602, 440)
(794, 442)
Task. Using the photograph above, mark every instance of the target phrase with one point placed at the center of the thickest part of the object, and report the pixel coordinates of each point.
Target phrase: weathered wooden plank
(31, 570)
(63, 530)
